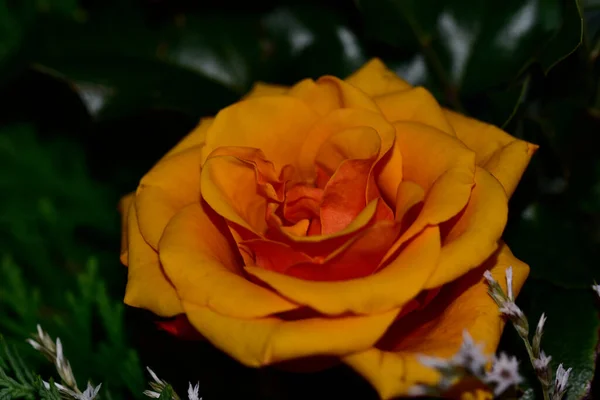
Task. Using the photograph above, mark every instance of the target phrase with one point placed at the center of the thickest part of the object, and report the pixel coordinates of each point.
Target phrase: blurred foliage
(92, 92)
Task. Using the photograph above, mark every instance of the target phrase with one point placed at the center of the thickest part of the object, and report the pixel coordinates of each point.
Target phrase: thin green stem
(532, 358)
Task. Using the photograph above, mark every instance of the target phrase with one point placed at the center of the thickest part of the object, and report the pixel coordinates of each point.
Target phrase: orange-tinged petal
(408, 195)
(473, 236)
(229, 187)
(391, 374)
(147, 285)
(345, 195)
(509, 163)
(123, 207)
(417, 105)
(263, 341)
(170, 185)
(266, 89)
(202, 261)
(390, 288)
(392, 368)
(275, 124)
(334, 123)
(504, 156)
(375, 79)
(273, 256)
(323, 99)
(358, 257)
(195, 138)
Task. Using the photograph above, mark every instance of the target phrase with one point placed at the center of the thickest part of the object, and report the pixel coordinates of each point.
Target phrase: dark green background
(93, 92)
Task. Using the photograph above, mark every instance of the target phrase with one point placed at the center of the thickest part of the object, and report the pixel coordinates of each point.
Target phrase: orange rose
(350, 218)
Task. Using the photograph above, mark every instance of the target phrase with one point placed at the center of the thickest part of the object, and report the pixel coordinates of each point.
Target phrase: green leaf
(302, 46)
(476, 44)
(118, 64)
(570, 334)
(167, 393)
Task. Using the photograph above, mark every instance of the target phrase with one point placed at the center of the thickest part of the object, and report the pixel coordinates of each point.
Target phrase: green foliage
(17, 381)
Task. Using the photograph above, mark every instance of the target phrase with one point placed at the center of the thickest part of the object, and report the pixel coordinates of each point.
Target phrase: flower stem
(532, 358)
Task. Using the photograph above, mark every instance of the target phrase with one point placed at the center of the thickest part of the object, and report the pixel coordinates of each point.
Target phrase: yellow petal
(195, 138)
(266, 89)
(509, 163)
(147, 285)
(437, 330)
(229, 187)
(170, 185)
(417, 105)
(338, 121)
(504, 156)
(388, 289)
(408, 195)
(201, 259)
(123, 207)
(375, 79)
(259, 342)
(474, 235)
(275, 124)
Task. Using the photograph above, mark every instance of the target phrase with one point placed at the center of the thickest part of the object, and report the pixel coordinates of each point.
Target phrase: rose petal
(437, 330)
(170, 185)
(390, 288)
(334, 123)
(263, 341)
(266, 89)
(504, 156)
(147, 285)
(123, 207)
(473, 236)
(275, 124)
(202, 261)
(358, 257)
(375, 79)
(408, 195)
(417, 105)
(273, 256)
(196, 137)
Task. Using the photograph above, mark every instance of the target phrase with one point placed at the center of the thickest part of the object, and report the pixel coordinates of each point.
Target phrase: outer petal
(503, 155)
(147, 285)
(192, 139)
(172, 184)
(390, 288)
(275, 124)
(258, 342)
(417, 105)
(474, 234)
(201, 260)
(375, 79)
(392, 367)
(124, 206)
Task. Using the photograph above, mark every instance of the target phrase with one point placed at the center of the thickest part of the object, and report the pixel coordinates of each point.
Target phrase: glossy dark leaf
(302, 46)
(476, 44)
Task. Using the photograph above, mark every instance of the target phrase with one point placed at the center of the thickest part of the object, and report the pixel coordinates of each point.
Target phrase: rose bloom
(351, 219)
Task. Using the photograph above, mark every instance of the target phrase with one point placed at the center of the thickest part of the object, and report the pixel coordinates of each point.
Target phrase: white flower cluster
(470, 360)
(159, 385)
(53, 351)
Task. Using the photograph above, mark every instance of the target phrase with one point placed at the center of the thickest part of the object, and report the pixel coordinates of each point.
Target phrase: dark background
(93, 92)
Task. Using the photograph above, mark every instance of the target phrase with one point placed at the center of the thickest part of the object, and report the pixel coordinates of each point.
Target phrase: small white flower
(434, 362)
(155, 377)
(540, 326)
(596, 289)
(193, 391)
(509, 280)
(562, 378)
(90, 392)
(34, 344)
(420, 390)
(511, 310)
(504, 373)
(488, 276)
(151, 394)
(542, 362)
(470, 356)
